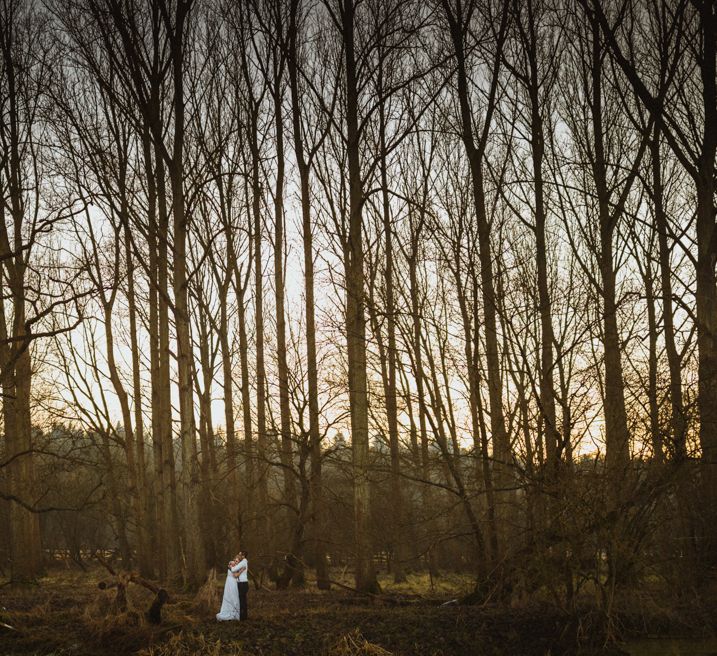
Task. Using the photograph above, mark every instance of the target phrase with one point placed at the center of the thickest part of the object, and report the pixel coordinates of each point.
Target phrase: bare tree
(461, 21)
(26, 67)
(693, 91)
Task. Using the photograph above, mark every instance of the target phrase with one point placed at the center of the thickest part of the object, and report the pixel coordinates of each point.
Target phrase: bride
(230, 600)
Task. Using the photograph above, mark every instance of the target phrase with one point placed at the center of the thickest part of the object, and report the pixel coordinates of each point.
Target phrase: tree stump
(122, 579)
(154, 614)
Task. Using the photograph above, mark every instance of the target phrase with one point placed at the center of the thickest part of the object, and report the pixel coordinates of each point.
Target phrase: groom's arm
(239, 571)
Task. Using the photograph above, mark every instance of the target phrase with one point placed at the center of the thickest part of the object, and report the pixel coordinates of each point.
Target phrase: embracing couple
(236, 587)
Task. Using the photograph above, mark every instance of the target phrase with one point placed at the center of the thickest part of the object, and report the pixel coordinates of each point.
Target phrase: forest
(412, 301)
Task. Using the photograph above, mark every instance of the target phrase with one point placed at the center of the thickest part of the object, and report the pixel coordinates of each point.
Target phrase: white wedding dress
(230, 600)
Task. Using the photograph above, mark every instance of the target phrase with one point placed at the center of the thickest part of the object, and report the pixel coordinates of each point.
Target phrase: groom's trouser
(243, 589)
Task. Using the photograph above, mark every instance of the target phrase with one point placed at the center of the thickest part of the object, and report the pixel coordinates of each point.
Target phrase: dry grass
(420, 584)
(182, 644)
(354, 644)
(208, 597)
(192, 644)
(67, 614)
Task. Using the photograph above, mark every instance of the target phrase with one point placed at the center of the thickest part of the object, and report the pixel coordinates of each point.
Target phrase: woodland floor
(63, 615)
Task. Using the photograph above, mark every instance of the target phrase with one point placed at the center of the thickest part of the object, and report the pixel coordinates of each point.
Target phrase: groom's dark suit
(243, 585)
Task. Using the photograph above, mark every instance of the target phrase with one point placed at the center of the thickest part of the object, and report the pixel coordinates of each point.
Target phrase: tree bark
(502, 459)
(294, 561)
(678, 420)
(234, 505)
(144, 549)
(356, 321)
(25, 547)
(617, 445)
(264, 530)
(160, 501)
(399, 547)
(189, 473)
(316, 486)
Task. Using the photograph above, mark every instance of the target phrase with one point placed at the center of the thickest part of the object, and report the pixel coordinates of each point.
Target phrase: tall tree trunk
(294, 561)
(108, 302)
(706, 276)
(264, 528)
(189, 473)
(678, 420)
(248, 540)
(158, 498)
(700, 164)
(652, 391)
(211, 514)
(419, 375)
(399, 546)
(25, 552)
(677, 433)
(316, 489)
(234, 505)
(356, 321)
(25, 546)
(475, 153)
(547, 389)
(172, 545)
(128, 437)
(616, 433)
(471, 349)
(144, 549)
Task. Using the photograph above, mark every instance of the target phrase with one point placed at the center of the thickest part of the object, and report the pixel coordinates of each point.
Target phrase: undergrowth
(66, 614)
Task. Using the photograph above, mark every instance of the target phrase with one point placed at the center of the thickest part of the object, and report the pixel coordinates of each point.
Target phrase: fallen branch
(380, 596)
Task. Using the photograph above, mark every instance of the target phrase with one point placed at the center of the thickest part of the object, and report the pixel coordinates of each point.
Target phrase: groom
(242, 577)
